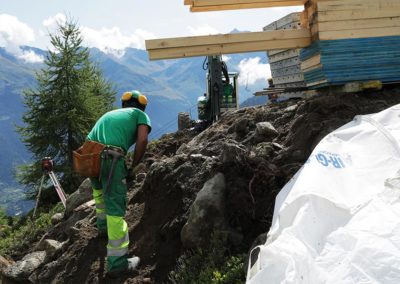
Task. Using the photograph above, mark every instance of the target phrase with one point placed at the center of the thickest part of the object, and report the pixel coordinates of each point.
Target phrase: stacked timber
(354, 40)
(285, 63)
(220, 5)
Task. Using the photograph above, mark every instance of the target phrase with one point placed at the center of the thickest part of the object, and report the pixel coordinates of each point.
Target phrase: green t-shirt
(118, 127)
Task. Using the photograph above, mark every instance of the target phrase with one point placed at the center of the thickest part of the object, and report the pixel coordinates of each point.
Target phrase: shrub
(214, 265)
(20, 232)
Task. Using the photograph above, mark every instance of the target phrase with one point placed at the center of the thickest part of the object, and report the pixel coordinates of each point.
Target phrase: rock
(198, 157)
(232, 152)
(51, 247)
(264, 150)
(4, 263)
(206, 214)
(277, 146)
(140, 177)
(265, 132)
(82, 195)
(291, 108)
(183, 149)
(242, 126)
(22, 269)
(56, 218)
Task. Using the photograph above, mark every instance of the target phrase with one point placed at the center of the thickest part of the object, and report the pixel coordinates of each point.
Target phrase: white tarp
(338, 219)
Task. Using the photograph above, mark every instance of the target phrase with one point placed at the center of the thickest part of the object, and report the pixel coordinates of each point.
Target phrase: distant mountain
(254, 101)
(172, 86)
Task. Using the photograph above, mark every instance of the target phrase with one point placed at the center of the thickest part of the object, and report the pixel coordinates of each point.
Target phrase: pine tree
(71, 94)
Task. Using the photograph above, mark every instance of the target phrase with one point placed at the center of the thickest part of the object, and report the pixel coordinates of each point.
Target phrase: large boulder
(80, 196)
(21, 270)
(51, 247)
(207, 213)
(265, 132)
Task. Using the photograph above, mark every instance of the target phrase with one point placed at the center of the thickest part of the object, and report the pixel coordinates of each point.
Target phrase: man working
(119, 130)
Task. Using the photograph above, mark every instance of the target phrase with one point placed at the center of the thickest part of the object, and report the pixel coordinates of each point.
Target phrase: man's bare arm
(141, 144)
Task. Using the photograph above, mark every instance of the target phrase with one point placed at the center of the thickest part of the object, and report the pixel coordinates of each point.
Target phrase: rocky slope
(224, 179)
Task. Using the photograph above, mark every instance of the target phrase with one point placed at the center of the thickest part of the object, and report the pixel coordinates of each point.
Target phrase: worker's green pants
(110, 211)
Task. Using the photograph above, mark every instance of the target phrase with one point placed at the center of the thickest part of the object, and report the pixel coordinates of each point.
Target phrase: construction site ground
(160, 198)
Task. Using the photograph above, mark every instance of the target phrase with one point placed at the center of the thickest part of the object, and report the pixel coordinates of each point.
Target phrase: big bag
(87, 160)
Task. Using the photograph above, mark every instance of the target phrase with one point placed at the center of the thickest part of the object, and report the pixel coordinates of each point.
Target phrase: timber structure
(336, 41)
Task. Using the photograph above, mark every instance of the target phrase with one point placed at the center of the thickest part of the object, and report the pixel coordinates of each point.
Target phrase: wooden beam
(226, 44)
(341, 5)
(359, 33)
(327, 16)
(210, 8)
(179, 52)
(226, 38)
(238, 2)
(313, 61)
(359, 24)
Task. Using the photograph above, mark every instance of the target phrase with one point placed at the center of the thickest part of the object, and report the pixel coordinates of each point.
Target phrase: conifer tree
(71, 94)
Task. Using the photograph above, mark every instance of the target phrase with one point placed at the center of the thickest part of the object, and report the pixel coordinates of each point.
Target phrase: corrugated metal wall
(337, 62)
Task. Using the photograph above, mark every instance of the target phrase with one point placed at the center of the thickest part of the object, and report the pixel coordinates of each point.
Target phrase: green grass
(214, 265)
(18, 233)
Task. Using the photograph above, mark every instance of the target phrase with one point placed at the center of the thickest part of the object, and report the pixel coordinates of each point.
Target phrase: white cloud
(31, 57)
(113, 41)
(13, 34)
(202, 30)
(251, 70)
(226, 58)
(52, 22)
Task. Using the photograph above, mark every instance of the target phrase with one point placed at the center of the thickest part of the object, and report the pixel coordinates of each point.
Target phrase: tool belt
(86, 159)
(113, 154)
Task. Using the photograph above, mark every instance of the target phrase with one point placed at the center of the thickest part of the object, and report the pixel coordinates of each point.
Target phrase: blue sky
(114, 25)
(126, 19)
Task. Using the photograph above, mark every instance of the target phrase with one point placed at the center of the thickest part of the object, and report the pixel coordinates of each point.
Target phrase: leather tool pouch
(86, 159)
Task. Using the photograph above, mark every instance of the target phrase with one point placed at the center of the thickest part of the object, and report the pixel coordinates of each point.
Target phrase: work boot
(133, 263)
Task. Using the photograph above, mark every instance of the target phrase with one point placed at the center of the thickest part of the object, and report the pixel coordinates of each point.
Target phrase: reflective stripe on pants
(118, 236)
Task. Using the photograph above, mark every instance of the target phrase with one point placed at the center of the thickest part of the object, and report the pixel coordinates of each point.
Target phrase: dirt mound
(258, 149)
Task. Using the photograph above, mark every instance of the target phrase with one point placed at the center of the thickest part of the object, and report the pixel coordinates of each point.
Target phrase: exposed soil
(255, 172)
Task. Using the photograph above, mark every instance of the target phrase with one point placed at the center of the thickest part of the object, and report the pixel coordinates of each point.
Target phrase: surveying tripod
(47, 168)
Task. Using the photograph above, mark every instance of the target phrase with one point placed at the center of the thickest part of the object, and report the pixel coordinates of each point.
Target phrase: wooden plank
(359, 24)
(317, 83)
(315, 60)
(187, 2)
(311, 68)
(211, 8)
(340, 5)
(327, 16)
(359, 33)
(227, 48)
(304, 20)
(227, 38)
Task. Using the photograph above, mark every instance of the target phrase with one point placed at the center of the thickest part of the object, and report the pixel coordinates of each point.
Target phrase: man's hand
(141, 144)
